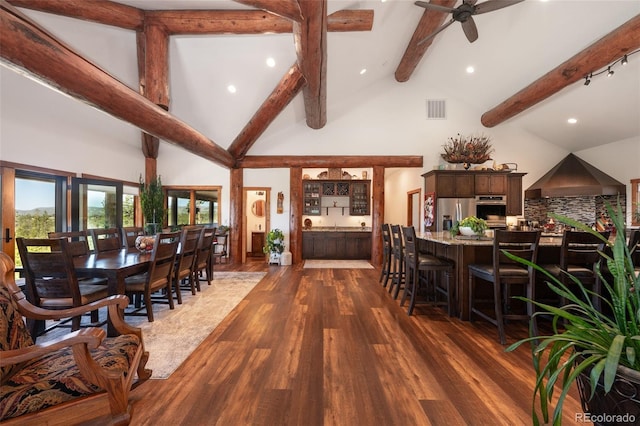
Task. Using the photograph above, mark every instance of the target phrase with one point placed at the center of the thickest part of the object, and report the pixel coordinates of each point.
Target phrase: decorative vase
(466, 165)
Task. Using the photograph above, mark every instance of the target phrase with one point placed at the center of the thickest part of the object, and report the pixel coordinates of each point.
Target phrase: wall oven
(493, 209)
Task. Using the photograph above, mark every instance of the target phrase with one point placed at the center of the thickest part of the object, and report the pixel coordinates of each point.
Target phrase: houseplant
(470, 225)
(152, 203)
(593, 349)
(274, 245)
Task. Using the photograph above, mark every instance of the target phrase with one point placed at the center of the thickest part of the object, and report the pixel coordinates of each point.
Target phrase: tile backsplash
(585, 209)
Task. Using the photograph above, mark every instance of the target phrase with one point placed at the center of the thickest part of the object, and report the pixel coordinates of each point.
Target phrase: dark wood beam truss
(347, 161)
(614, 45)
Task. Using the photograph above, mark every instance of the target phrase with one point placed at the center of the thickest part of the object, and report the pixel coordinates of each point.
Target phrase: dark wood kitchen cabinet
(257, 244)
(514, 194)
(490, 184)
(336, 245)
(451, 183)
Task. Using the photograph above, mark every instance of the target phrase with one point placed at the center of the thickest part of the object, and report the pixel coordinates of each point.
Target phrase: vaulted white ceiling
(516, 46)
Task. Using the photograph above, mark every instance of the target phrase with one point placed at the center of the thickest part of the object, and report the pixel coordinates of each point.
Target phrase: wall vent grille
(436, 109)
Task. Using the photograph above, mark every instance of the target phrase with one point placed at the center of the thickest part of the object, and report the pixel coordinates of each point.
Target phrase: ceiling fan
(464, 14)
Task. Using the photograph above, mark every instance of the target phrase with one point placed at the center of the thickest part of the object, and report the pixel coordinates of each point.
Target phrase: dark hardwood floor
(331, 347)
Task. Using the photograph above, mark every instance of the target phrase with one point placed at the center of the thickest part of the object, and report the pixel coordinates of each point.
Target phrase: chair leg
(408, 289)
(414, 283)
(169, 292)
(75, 323)
(401, 278)
(149, 306)
(497, 300)
(472, 288)
(178, 291)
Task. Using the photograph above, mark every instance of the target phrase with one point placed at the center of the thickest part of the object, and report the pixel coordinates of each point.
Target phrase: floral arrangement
(145, 243)
(467, 149)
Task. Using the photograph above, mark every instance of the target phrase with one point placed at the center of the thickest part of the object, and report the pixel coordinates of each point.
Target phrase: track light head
(586, 80)
(609, 72)
(624, 60)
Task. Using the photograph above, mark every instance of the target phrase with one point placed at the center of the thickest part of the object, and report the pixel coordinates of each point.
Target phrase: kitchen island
(336, 242)
(464, 251)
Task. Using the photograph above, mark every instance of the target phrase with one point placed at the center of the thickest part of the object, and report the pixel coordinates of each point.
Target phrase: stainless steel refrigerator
(455, 208)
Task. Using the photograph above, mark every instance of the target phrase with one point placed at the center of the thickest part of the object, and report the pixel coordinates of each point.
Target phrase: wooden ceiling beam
(191, 22)
(286, 8)
(100, 11)
(431, 20)
(275, 161)
(310, 39)
(29, 50)
(289, 86)
(609, 48)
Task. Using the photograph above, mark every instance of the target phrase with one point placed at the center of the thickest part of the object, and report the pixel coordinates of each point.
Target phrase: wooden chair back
(106, 239)
(129, 235)
(189, 241)
(49, 271)
(523, 244)
(581, 249)
(163, 259)
(78, 241)
(386, 239)
(397, 245)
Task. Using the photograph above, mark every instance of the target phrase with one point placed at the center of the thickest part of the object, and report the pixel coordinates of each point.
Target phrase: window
(95, 204)
(193, 206)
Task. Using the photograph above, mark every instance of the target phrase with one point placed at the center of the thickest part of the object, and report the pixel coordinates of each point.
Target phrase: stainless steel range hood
(574, 177)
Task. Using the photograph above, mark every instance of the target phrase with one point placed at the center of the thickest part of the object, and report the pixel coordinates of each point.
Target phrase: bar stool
(386, 254)
(397, 271)
(504, 273)
(421, 270)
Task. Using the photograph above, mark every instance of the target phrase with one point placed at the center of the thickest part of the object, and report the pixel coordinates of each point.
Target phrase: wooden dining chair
(106, 239)
(203, 265)
(51, 278)
(503, 274)
(78, 245)
(129, 235)
(159, 277)
(185, 261)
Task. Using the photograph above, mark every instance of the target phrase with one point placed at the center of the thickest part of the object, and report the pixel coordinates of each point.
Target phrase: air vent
(436, 109)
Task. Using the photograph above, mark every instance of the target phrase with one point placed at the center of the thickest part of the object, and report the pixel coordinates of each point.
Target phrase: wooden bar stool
(386, 254)
(503, 273)
(397, 271)
(421, 270)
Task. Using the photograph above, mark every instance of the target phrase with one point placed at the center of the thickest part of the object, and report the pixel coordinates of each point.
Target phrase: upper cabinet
(469, 183)
(490, 184)
(357, 193)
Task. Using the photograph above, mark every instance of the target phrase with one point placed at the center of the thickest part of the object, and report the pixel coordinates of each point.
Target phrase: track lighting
(609, 68)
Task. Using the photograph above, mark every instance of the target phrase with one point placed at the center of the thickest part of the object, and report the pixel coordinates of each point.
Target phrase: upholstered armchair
(75, 378)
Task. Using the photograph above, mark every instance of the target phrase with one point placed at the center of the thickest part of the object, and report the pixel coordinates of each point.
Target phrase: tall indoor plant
(152, 203)
(584, 341)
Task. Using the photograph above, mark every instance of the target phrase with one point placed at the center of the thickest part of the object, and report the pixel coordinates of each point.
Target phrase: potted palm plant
(274, 245)
(598, 351)
(152, 203)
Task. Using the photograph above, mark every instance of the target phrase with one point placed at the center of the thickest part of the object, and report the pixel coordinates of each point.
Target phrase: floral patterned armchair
(80, 376)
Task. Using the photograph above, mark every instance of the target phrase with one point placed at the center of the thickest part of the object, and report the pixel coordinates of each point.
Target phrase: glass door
(96, 204)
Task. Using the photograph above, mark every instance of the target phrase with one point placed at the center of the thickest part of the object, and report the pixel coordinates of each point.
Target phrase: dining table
(115, 265)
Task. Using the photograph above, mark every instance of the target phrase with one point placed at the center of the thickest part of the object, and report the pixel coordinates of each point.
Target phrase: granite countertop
(446, 238)
(338, 229)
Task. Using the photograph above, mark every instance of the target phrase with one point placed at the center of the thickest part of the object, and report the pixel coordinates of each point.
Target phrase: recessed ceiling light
(470, 70)
(572, 120)
(271, 62)
(231, 88)
(363, 70)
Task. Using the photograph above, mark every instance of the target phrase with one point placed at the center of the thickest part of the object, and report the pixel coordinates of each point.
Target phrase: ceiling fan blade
(470, 29)
(437, 7)
(433, 34)
(490, 5)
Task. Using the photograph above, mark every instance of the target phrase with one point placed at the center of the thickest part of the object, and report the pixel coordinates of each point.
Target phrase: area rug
(336, 264)
(174, 334)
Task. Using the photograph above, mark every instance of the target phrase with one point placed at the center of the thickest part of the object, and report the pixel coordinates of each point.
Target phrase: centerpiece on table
(467, 150)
